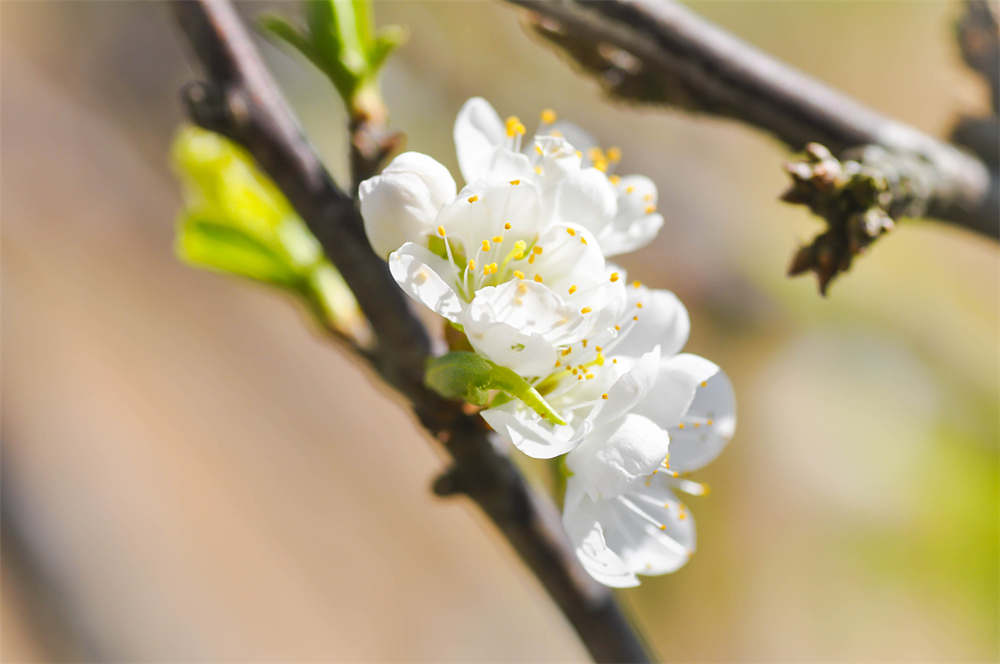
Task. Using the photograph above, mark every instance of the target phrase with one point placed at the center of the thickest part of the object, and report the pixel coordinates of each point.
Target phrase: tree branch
(657, 51)
(241, 101)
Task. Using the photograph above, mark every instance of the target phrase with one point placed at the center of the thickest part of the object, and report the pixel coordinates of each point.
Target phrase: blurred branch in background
(659, 52)
(241, 101)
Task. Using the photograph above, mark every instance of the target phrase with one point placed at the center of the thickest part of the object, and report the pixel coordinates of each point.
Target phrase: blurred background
(191, 472)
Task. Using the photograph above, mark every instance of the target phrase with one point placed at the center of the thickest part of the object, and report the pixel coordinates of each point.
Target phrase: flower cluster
(517, 261)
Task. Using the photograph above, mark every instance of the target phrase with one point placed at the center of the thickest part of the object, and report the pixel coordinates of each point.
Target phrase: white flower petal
(675, 387)
(578, 137)
(662, 319)
(708, 425)
(586, 198)
(632, 386)
(401, 204)
(518, 325)
(612, 456)
(525, 430)
(478, 132)
(587, 536)
(427, 278)
(636, 222)
(650, 529)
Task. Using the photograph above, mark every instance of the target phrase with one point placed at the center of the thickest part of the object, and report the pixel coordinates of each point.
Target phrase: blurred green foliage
(235, 220)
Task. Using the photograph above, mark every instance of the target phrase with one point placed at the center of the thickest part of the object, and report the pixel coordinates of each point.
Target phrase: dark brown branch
(241, 101)
(658, 51)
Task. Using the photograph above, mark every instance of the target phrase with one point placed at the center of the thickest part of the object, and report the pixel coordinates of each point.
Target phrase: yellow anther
(566, 351)
(583, 240)
(538, 169)
(650, 209)
(598, 349)
(584, 342)
(601, 165)
(614, 360)
(497, 239)
(538, 278)
(629, 189)
(590, 376)
(614, 155)
(604, 396)
(614, 277)
(635, 318)
(538, 149)
(680, 426)
(618, 328)
(531, 259)
(519, 274)
(515, 182)
(472, 264)
(614, 179)
(586, 310)
(662, 527)
(572, 289)
(548, 116)
(636, 284)
(595, 154)
(571, 231)
(506, 226)
(704, 383)
(493, 268)
(441, 231)
(537, 250)
(638, 305)
(521, 289)
(574, 371)
(579, 154)
(709, 423)
(514, 126)
(599, 360)
(486, 245)
(558, 363)
(697, 424)
(556, 133)
(473, 198)
(647, 197)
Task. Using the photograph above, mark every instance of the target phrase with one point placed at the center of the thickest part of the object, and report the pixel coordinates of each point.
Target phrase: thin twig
(660, 52)
(242, 102)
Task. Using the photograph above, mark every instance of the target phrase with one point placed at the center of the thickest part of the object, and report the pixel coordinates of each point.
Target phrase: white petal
(525, 430)
(611, 457)
(578, 137)
(478, 131)
(675, 387)
(586, 198)
(637, 221)
(708, 425)
(632, 386)
(587, 536)
(401, 204)
(649, 528)
(517, 325)
(662, 320)
(481, 211)
(427, 278)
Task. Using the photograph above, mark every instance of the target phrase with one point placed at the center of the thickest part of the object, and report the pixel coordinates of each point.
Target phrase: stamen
(506, 226)
(629, 189)
(538, 278)
(519, 274)
(638, 305)
(515, 182)
(486, 245)
(441, 231)
(614, 277)
(571, 231)
(650, 209)
(572, 289)
(614, 155)
(497, 239)
(585, 310)
(472, 264)
(614, 179)
(604, 396)
(473, 198)
(636, 284)
(548, 116)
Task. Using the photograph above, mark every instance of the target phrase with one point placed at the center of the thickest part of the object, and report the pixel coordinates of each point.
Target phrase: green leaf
(223, 248)
(470, 377)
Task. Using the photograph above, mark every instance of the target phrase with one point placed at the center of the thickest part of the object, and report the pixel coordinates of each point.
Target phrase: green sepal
(471, 377)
